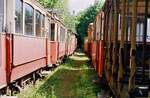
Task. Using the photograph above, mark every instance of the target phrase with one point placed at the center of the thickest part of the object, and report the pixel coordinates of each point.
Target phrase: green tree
(62, 11)
(48, 3)
(84, 18)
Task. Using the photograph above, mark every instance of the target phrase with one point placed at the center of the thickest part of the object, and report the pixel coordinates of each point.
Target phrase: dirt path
(73, 79)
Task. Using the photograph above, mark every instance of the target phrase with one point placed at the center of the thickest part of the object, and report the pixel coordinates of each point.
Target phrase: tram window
(43, 26)
(1, 14)
(29, 20)
(129, 28)
(129, 35)
(102, 32)
(38, 24)
(119, 27)
(19, 17)
(139, 30)
(49, 30)
(62, 34)
(148, 30)
(94, 31)
(52, 32)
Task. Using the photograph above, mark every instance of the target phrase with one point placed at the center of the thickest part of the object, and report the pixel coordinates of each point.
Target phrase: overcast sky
(78, 5)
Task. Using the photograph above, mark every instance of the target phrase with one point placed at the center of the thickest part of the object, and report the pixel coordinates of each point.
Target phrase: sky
(79, 5)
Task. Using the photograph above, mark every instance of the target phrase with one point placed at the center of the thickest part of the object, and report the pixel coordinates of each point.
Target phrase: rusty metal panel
(53, 52)
(100, 58)
(90, 31)
(93, 53)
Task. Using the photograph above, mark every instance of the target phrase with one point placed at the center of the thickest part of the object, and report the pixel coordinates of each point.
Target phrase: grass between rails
(72, 79)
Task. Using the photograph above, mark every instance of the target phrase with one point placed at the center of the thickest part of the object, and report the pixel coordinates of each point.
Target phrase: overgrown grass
(73, 79)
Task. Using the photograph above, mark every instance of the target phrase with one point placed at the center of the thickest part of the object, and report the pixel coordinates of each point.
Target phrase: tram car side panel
(25, 46)
(3, 45)
(53, 42)
(68, 43)
(93, 53)
(53, 52)
(141, 52)
(62, 34)
(90, 38)
(29, 54)
(75, 43)
(86, 45)
(28, 42)
(100, 53)
(47, 35)
(2, 60)
(72, 43)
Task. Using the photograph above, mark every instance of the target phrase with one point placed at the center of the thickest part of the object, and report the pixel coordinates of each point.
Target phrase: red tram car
(71, 43)
(31, 38)
(120, 33)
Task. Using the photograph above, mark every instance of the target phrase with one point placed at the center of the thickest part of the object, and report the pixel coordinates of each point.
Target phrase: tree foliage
(48, 3)
(78, 23)
(84, 19)
(62, 11)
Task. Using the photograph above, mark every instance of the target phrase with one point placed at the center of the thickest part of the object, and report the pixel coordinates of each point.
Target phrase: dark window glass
(1, 14)
(53, 32)
(19, 17)
(38, 23)
(94, 31)
(29, 20)
(43, 26)
(62, 34)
